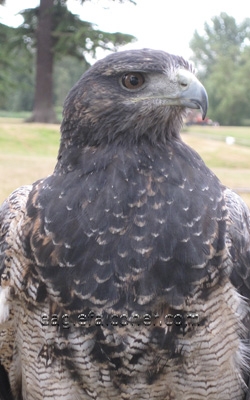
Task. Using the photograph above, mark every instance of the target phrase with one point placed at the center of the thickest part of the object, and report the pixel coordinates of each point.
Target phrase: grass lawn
(241, 134)
(28, 152)
(231, 163)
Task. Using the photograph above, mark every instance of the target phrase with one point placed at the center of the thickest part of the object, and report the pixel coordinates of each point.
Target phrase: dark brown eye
(133, 80)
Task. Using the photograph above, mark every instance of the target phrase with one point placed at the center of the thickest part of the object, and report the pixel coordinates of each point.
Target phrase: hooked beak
(193, 93)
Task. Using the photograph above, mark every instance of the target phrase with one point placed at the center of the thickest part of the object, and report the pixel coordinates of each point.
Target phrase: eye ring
(133, 80)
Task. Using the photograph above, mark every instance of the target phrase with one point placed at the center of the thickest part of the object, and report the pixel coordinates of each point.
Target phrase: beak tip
(204, 113)
(204, 104)
(195, 96)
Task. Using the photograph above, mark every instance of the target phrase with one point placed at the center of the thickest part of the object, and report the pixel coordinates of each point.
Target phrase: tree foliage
(5, 63)
(65, 39)
(16, 78)
(222, 56)
(70, 35)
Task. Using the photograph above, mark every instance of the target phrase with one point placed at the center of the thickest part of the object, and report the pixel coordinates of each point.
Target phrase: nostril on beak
(184, 78)
(184, 85)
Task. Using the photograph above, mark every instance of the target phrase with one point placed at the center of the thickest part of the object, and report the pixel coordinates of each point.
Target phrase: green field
(28, 152)
(231, 163)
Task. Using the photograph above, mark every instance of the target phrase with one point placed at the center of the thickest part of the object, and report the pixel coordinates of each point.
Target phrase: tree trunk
(43, 105)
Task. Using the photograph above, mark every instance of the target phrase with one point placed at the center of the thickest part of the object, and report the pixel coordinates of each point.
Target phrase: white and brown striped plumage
(125, 274)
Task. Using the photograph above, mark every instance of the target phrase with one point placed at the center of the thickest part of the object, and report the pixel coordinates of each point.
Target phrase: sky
(158, 24)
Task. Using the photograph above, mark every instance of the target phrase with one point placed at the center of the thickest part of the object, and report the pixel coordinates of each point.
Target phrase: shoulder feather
(238, 241)
(12, 213)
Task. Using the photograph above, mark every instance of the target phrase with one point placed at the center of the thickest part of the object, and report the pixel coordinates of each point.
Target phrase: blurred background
(46, 45)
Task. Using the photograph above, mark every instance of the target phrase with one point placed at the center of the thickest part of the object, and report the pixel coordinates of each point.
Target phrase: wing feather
(12, 214)
(238, 241)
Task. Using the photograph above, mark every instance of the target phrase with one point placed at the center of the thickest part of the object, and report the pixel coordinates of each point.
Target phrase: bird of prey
(125, 274)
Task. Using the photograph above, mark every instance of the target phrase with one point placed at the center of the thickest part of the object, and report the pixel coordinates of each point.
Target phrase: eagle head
(129, 95)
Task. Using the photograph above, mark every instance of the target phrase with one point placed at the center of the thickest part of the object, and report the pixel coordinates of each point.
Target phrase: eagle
(126, 273)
